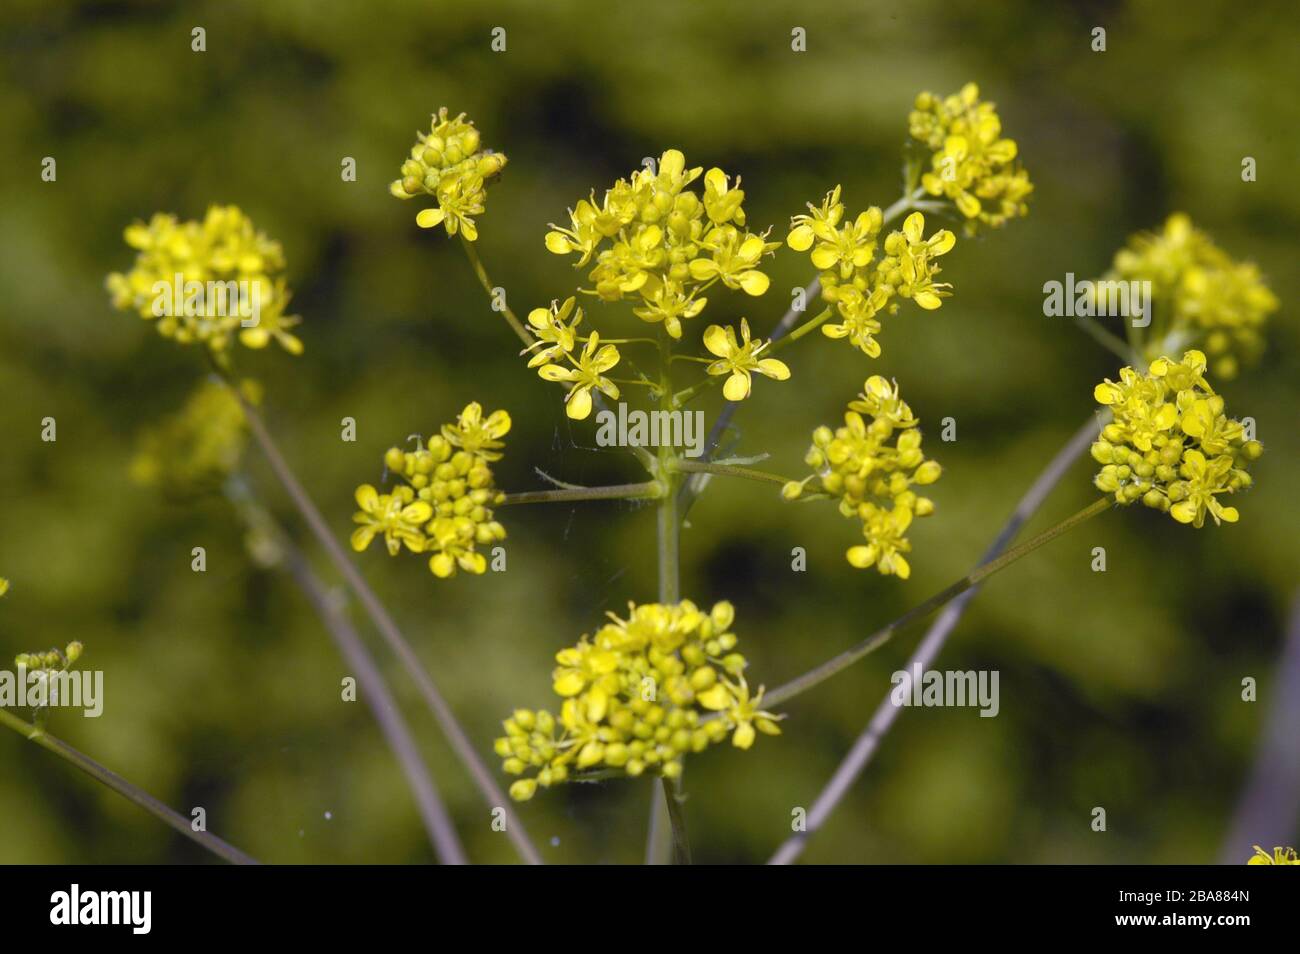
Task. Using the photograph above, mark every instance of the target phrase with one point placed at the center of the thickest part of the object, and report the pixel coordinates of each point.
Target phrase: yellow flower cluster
(449, 165)
(1170, 444)
(207, 281)
(970, 162)
(197, 447)
(872, 477)
(444, 506)
(860, 291)
(639, 695)
(555, 330)
(1211, 299)
(1280, 856)
(666, 245)
(739, 359)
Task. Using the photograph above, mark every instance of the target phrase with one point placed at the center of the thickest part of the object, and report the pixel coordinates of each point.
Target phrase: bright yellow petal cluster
(443, 508)
(1170, 444)
(860, 287)
(739, 359)
(970, 161)
(871, 466)
(448, 164)
(207, 281)
(560, 360)
(1280, 856)
(639, 695)
(665, 244)
(198, 446)
(1211, 299)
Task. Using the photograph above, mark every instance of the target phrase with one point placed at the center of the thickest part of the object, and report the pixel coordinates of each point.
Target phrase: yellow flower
(733, 261)
(397, 516)
(4, 586)
(207, 281)
(1280, 856)
(476, 434)
(443, 507)
(554, 327)
(851, 247)
(872, 468)
(970, 163)
(1206, 297)
(659, 244)
(740, 359)
(449, 165)
(637, 697)
(1170, 444)
(587, 373)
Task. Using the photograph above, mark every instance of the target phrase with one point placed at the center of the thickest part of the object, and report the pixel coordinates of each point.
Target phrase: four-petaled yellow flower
(740, 359)
(398, 516)
(587, 373)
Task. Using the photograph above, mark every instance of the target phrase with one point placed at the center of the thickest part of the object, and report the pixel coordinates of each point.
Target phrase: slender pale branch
(648, 489)
(374, 690)
(379, 615)
(477, 264)
(132, 793)
(844, 660)
(868, 742)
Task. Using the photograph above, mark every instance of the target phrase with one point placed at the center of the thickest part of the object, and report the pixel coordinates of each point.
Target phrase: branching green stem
(649, 489)
(477, 264)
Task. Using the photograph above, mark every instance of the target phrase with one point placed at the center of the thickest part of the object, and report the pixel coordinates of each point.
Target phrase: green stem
(673, 800)
(132, 793)
(687, 466)
(648, 489)
(477, 264)
(807, 326)
(837, 664)
(659, 842)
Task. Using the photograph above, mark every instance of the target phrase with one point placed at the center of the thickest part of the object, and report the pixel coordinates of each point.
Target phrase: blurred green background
(1118, 689)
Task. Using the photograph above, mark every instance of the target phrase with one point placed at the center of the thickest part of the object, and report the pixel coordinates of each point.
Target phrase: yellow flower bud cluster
(444, 506)
(1170, 444)
(970, 162)
(52, 660)
(861, 288)
(449, 165)
(666, 244)
(1210, 299)
(871, 466)
(639, 695)
(238, 289)
(1279, 856)
(198, 446)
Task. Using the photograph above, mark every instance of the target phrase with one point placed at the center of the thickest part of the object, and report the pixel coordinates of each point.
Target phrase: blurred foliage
(1119, 689)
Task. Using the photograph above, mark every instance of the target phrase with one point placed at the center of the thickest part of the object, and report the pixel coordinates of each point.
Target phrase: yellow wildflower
(1170, 444)
(587, 373)
(638, 696)
(872, 477)
(449, 165)
(740, 359)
